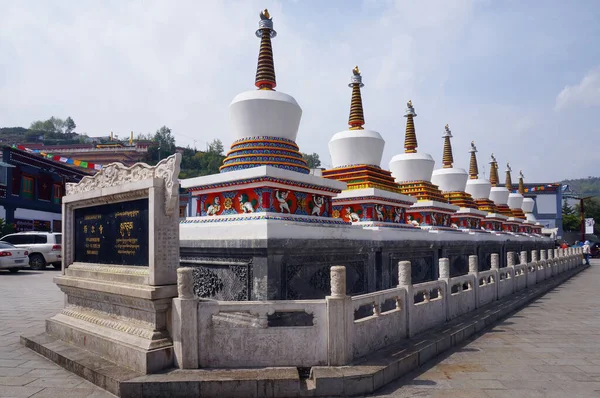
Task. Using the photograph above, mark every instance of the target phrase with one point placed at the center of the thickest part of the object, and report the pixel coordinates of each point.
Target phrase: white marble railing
(340, 328)
(461, 297)
(253, 337)
(381, 314)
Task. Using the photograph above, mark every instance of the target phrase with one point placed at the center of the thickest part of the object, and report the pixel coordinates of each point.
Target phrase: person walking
(586, 252)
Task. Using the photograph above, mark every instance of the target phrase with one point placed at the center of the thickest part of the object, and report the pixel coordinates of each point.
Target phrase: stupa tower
(373, 198)
(515, 199)
(495, 219)
(479, 188)
(499, 193)
(266, 121)
(513, 202)
(264, 171)
(413, 173)
(452, 182)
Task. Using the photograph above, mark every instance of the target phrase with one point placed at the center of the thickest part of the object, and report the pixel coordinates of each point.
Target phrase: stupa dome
(528, 205)
(515, 200)
(356, 146)
(499, 195)
(479, 188)
(449, 178)
(412, 167)
(352, 147)
(265, 113)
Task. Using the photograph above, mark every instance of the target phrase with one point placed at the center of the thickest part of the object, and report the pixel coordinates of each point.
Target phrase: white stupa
(413, 172)
(263, 180)
(478, 188)
(373, 198)
(449, 178)
(452, 182)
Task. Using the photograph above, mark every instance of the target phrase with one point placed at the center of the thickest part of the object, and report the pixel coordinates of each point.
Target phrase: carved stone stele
(121, 312)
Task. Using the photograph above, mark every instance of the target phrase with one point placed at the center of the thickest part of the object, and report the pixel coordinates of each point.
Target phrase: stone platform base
(364, 376)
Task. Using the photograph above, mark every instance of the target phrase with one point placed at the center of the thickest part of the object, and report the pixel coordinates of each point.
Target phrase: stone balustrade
(338, 329)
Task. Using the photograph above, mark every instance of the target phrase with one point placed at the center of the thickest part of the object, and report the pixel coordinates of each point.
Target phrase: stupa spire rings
(508, 183)
(473, 169)
(410, 138)
(494, 180)
(521, 184)
(357, 116)
(447, 158)
(265, 70)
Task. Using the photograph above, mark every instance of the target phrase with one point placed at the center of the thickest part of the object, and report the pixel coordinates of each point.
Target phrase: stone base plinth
(125, 322)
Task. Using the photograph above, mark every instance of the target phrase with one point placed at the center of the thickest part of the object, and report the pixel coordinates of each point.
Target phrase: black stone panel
(307, 277)
(228, 279)
(115, 233)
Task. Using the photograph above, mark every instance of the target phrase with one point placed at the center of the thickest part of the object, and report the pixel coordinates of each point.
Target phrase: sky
(520, 78)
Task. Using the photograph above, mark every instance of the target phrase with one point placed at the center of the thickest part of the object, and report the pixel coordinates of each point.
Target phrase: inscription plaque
(115, 233)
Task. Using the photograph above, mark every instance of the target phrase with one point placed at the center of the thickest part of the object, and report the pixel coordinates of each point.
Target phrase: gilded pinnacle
(357, 117)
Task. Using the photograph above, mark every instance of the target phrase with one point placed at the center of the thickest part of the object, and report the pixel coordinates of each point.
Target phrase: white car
(12, 258)
(44, 247)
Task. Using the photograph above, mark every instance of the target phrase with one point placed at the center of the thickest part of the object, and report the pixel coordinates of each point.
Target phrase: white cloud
(585, 94)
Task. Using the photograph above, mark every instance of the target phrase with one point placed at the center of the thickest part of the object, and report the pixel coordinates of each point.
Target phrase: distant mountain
(586, 186)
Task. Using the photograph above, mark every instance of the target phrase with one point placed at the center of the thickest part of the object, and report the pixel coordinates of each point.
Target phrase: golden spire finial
(357, 117)
(473, 169)
(447, 158)
(410, 138)
(265, 70)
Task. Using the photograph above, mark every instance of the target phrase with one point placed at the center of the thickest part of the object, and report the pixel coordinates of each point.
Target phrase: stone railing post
(543, 254)
(405, 281)
(510, 259)
(339, 319)
(444, 268)
(185, 321)
(523, 257)
(474, 270)
(534, 256)
(495, 261)
(473, 265)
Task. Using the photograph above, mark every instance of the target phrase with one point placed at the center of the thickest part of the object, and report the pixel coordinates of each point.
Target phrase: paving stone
(550, 348)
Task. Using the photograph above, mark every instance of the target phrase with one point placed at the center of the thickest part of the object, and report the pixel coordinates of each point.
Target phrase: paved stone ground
(27, 298)
(551, 348)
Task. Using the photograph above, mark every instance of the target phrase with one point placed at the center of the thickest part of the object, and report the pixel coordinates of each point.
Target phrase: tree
(166, 142)
(216, 147)
(570, 217)
(312, 160)
(69, 125)
(592, 210)
(43, 125)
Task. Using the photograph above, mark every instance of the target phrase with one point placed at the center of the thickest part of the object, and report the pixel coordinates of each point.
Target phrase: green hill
(586, 186)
